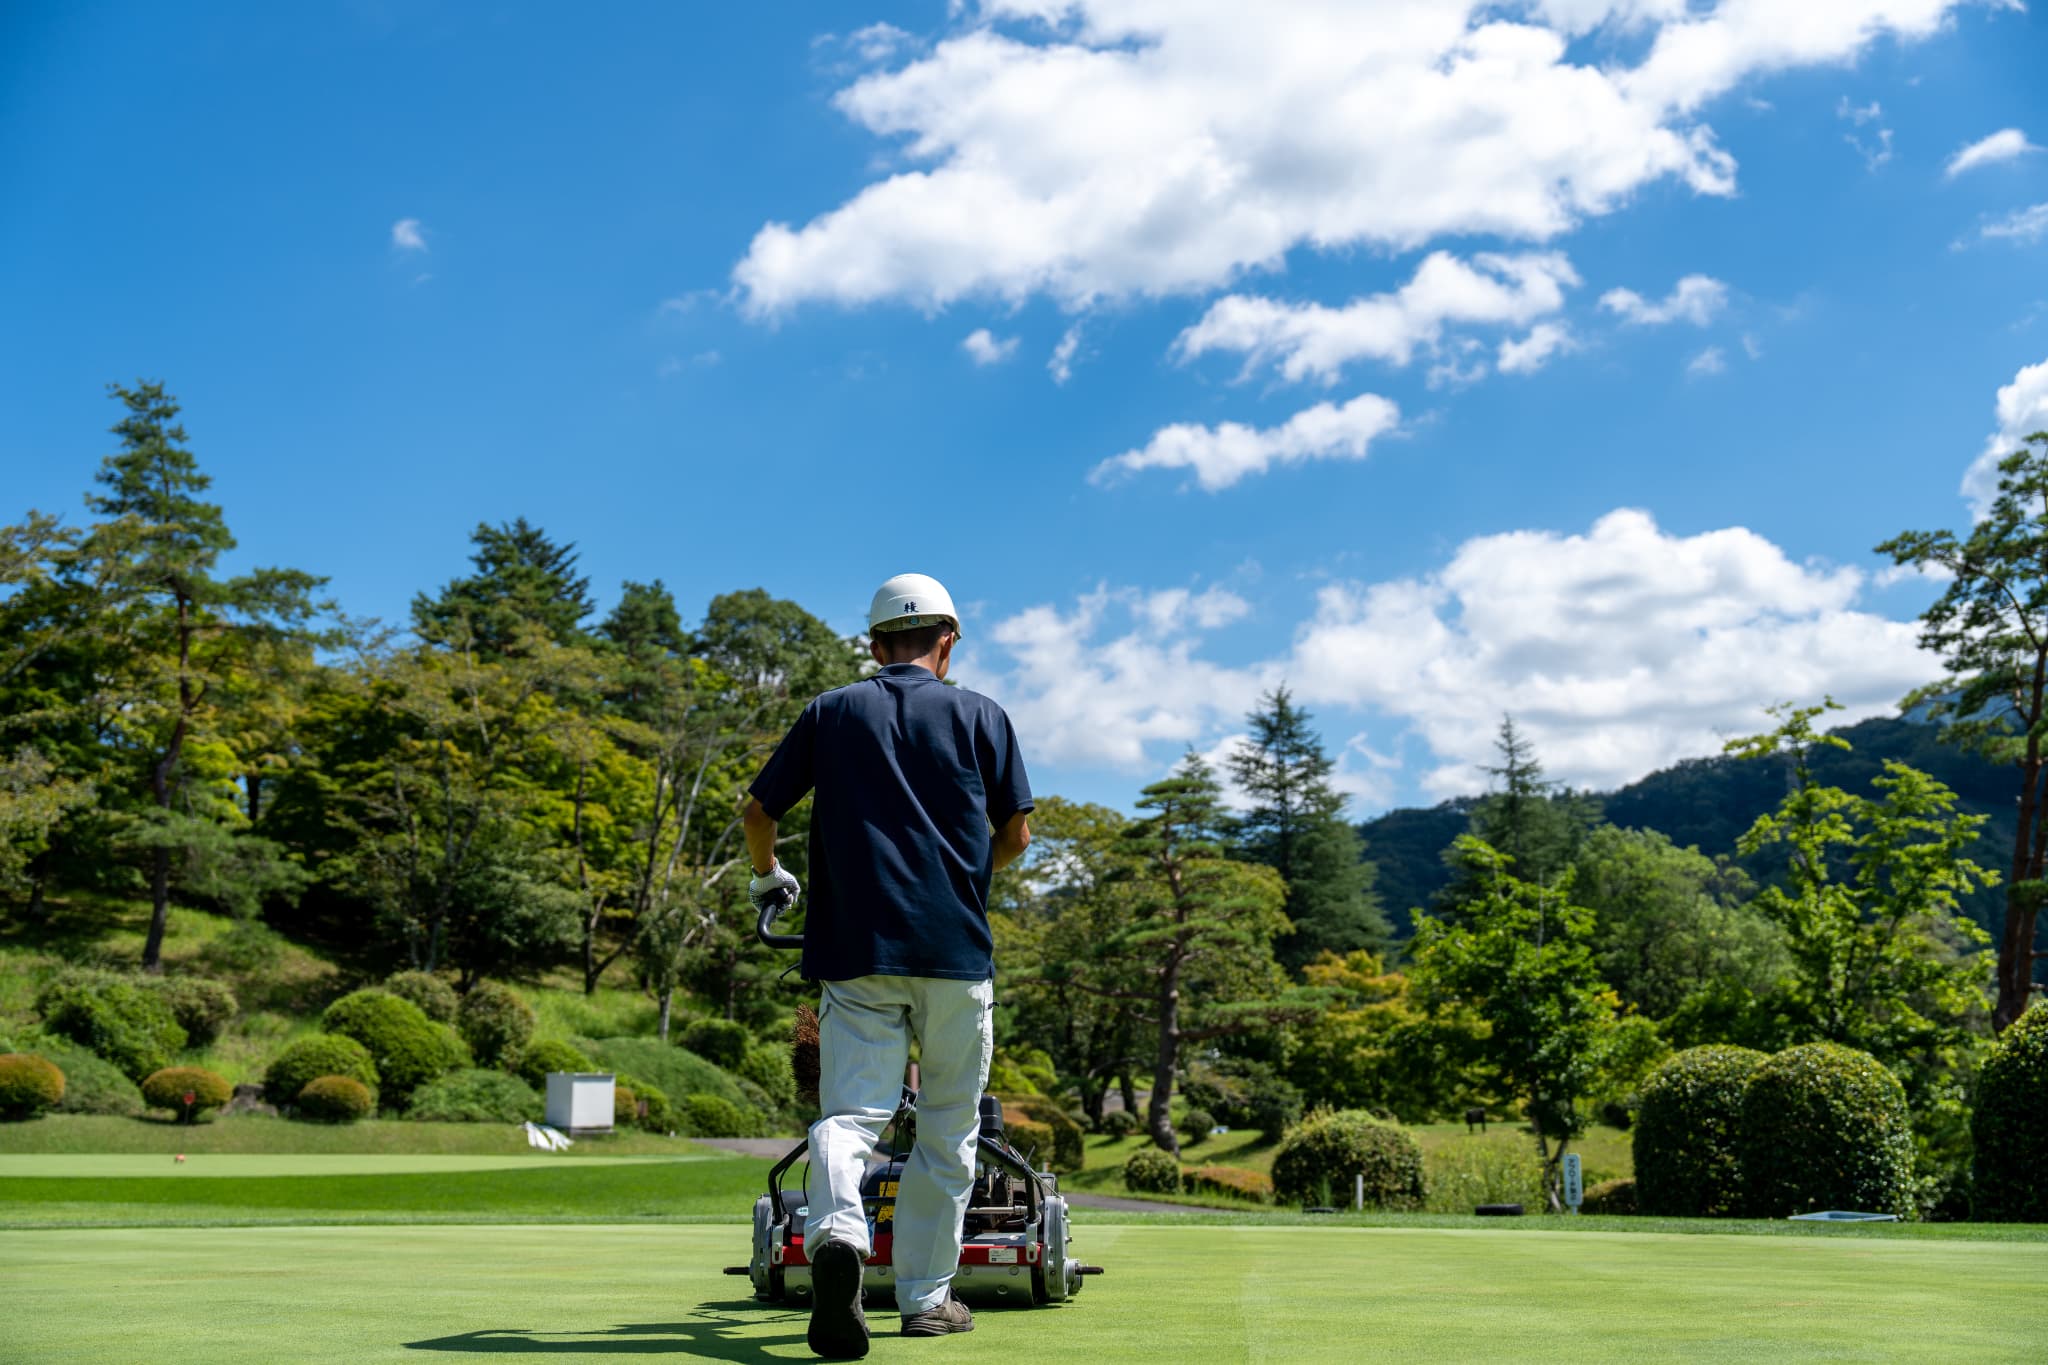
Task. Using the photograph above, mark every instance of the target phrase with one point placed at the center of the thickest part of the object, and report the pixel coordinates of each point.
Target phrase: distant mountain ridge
(1708, 803)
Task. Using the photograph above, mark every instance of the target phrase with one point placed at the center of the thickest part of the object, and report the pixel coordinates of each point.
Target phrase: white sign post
(1574, 1191)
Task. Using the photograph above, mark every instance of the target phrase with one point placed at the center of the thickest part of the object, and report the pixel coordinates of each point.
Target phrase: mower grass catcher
(1014, 1238)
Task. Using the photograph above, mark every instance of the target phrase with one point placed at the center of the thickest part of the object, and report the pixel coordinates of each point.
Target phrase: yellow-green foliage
(1610, 1196)
(1233, 1181)
(495, 1023)
(187, 1091)
(536, 1060)
(408, 1048)
(641, 1104)
(711, 1116)
(2011, 1124)
(335, 1099)
(435, 997)
(127, 1023)
(28, 1085)
(475, 1096)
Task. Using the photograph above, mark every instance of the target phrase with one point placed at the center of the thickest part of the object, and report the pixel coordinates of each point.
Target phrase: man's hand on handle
(777, 884)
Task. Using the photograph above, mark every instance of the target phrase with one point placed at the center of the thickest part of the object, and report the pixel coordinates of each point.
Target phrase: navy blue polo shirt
(910, 774)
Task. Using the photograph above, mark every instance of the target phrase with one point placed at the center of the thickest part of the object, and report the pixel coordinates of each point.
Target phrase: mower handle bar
(764, 928)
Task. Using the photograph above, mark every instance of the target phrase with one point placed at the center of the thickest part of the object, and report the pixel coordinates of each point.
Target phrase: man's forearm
(760, 830)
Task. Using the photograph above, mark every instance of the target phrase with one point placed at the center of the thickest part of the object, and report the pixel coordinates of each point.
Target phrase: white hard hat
(910, 600)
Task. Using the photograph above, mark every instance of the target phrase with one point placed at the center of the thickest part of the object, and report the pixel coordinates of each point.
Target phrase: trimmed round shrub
(536, 1060)
(202, 1006)
(1029, 1136)
(676, 1070)
(1320, 1159)
(128, 1024)
(641, 1104)
(408, 1048)
(1151, 1171)
(1194, 1126)
(474, 1095)
(435, 997)
(187, 1091)
(1067, 1150)
(722, 1042)
(1118, 1123)
(334, 1099)
(767, 1065)
(711, 1116)
(1610, 1196)
(92, 1084)
(1825, 1127)
(2011, 1124)
(1233, 1181)
(308, 1059)
(1687, 1133)
(28, 1085)
(495, 1023)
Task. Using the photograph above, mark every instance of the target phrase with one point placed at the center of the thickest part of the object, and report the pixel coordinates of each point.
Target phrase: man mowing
(920, 796)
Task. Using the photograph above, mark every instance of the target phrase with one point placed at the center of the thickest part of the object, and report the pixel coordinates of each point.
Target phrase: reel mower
(1015, 1244)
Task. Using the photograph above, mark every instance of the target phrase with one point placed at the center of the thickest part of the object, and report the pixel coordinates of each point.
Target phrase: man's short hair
(899, 646)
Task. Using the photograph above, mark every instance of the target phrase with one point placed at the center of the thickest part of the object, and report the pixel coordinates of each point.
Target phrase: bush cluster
(1029, 1136)
(128, 1024)
(1688, 1119)
(308, 1059)
(676, 1070)
(202, 1006)
(536, 1060)
(408, 1048)
(1066, 1147)
(334, 1099)
(1244, 1094)
(1825, 1127)
(435, 997)
(1320, 1160)
(714, 1116)
(92, 1084)
(475, 1096)
(2011, 1124)
(1610, 1196)
(1194, 1126)
(1232, 1181)
(767, 1065)
(170, 1088)
(1118, 1123)
(1152, 1171)
(641, 1104)
(495, 1023)
(28, 1085)
(722, 1042)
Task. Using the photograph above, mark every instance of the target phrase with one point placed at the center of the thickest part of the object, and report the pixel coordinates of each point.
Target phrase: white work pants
(864, 1030)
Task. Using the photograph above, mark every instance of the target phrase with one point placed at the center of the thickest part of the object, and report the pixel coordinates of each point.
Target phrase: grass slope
(418, 1294)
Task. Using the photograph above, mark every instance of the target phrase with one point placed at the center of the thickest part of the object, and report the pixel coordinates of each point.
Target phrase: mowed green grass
(106, 1133)
(1171, 1293)
(244, 1190)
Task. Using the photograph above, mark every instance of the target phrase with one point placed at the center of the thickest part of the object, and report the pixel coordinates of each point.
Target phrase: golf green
(1171, 1293)
(205, 1165)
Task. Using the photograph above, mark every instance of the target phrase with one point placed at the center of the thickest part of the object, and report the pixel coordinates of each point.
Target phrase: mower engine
(1015, 1241)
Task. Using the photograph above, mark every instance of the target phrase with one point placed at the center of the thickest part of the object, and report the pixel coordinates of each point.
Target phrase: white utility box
(580, 1101)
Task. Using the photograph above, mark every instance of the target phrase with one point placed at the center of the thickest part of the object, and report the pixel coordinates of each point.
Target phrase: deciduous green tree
(1990, 627)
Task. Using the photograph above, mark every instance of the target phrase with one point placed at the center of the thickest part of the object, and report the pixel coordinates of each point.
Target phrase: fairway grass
(260, 1133)
(1171, 1293)
(240, 1166)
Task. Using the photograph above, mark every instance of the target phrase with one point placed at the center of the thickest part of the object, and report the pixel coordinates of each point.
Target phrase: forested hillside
(1707, 803)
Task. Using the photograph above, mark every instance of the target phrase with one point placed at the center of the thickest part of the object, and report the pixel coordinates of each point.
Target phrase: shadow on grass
(706, 1335)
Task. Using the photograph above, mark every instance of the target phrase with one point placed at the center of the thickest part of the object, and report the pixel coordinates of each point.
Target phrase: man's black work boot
(950, 1316)
(839, 1330)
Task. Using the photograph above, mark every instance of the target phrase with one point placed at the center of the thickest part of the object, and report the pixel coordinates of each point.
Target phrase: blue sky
(694, 287)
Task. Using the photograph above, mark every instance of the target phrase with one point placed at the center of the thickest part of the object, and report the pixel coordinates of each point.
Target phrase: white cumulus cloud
(1696, 299)
(1710, 361)
(1534, 351)
(983, 347)
(2025, 226)
(1223, 454)
(408, 235)
(1619, 650)
(2022, 410)
(2003, 145)
(1309, 340)
(1060, 365)
(1108, 148)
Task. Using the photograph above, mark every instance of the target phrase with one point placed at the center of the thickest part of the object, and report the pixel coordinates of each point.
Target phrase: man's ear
(875, 651)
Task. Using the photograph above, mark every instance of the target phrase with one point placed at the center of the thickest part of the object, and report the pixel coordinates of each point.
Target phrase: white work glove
(769, 885)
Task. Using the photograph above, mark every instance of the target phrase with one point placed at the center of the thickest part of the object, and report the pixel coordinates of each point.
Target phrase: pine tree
(524, 582)
(1296, 826)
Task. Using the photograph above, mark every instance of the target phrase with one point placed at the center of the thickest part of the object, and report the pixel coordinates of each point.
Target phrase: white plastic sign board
(580, 1101)
(1574, 1190)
